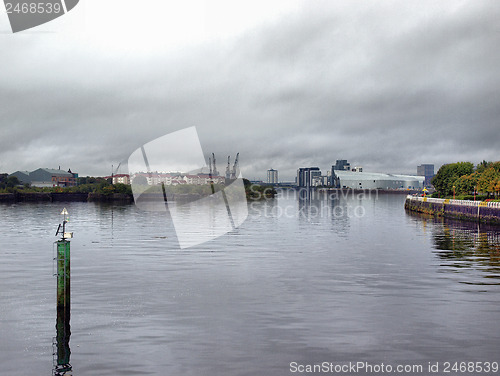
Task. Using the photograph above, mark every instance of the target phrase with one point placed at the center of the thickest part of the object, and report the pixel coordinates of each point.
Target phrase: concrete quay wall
(479, 211)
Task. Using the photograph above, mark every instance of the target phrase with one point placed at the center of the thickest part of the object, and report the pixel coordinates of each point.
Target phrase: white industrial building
(372, 180)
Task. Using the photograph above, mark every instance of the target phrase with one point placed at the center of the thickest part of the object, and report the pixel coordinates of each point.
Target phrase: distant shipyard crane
(113, 172)
(235, 172)
(214, 171)
(232, 173)
(228, 168)
(212, 166)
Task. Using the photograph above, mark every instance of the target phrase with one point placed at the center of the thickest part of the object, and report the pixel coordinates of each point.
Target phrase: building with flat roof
(341, 165)
(426, 170)
(272, 176)
(308, 176)
(119, 178)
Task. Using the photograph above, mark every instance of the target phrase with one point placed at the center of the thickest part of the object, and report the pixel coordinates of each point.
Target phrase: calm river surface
(353, 279)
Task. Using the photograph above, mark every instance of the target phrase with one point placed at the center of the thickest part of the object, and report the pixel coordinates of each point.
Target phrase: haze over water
(306, 281)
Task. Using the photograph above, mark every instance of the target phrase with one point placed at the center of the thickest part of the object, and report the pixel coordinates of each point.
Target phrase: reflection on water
(336, 279)
(463, 246)
(469, 245)
(60, 344)
(314, 207)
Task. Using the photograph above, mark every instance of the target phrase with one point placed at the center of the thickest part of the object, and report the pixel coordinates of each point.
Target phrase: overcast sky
(385, 84)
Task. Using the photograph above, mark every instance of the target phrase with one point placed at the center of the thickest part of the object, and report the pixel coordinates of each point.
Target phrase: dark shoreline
(64, 197)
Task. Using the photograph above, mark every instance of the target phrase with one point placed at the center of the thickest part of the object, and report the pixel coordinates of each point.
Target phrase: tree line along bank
(463, 180)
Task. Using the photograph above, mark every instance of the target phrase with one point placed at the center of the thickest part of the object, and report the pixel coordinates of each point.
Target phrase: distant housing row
(175, 178)
(46, 177)
(342, 176)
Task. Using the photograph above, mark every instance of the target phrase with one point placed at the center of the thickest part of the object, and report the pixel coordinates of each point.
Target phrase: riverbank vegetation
(101, 186)
(85, 185)
(466, 181)
(257, 191)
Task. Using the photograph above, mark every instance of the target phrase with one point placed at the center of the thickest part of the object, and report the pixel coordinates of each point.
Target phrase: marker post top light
(65, 235)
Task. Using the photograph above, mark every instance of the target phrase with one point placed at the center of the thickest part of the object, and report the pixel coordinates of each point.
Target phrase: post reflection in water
(463, 246)
(61, 351)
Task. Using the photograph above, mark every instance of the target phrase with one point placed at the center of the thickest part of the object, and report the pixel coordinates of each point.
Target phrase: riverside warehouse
(373, 180)
(342, 176)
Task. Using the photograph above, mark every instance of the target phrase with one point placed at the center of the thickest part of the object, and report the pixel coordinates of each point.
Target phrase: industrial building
(372, 180)
(426, 170)
(342, 176)
(46, 177)
(341, 165)
(308, 176)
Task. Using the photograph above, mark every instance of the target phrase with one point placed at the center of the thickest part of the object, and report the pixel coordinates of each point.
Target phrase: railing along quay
(455, 202)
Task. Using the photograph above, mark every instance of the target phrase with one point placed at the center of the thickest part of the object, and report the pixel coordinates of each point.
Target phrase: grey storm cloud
(388, 85)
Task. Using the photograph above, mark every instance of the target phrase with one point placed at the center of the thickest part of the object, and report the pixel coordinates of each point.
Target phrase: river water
(301, 282)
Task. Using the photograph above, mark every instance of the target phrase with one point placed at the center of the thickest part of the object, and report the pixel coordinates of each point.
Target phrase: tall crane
(228, 171)
(214, 171)
(235, 172)
(113, 172)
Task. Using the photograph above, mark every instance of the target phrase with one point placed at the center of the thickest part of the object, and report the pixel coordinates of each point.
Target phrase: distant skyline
(122, 169)
(386, 84)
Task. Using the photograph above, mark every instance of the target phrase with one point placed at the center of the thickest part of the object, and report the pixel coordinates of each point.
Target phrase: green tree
(466, 184)
(488, 180)
(448, 175)
(12, 181)
(482, 166)
(123, 188)
(495, 166)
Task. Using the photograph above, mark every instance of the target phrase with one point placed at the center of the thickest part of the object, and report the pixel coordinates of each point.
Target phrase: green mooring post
(63, 329)
(63, 273)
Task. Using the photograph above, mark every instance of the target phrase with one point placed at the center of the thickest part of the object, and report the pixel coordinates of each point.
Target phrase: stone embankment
(479, 211)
